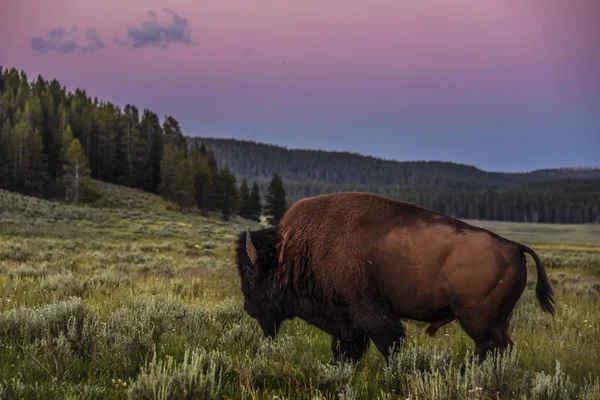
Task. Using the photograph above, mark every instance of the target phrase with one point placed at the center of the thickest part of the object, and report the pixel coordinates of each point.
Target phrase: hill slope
(258, 161)
(118, 210)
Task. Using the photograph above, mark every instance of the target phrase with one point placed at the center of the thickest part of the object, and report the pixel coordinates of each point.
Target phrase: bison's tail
(543, 290)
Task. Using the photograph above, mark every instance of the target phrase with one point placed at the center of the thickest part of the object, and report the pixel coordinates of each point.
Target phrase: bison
(355, 264)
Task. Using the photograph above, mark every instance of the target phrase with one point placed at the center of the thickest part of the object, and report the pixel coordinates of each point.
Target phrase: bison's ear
(250, 249)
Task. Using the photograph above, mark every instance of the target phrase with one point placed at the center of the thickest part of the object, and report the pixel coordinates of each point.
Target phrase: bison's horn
(250, 249)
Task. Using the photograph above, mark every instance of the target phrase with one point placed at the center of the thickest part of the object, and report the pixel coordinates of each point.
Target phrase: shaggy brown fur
(355, 264)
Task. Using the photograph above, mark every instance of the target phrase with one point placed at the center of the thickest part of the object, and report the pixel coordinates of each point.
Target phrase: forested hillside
(557, 195)
(54, 143)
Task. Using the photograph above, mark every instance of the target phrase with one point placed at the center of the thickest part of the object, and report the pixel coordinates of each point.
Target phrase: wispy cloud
(153, 33)
(61, 41)
(94, 41)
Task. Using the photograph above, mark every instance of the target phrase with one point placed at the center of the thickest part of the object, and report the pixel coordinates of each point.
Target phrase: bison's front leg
(389, 339)
(352, 351)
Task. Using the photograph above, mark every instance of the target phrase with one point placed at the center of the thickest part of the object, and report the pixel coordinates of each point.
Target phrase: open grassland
(583, 236)
(131, 300)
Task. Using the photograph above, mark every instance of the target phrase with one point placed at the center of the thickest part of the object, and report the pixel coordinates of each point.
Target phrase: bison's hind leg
(349, 350)
(488, 334)
(487, 323)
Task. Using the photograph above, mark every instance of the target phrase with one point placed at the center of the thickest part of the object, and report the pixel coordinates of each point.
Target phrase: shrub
(25, 325)
(198, 376)
(553, 387)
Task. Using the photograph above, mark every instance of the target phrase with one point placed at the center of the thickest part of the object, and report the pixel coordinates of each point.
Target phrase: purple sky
(506, 85)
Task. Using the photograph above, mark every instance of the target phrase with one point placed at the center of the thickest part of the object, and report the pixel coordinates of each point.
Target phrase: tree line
(342, 168)
(53, 142)
(554, 196)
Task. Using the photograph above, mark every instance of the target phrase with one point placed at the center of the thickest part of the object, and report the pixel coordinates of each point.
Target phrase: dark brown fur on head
(256, 275)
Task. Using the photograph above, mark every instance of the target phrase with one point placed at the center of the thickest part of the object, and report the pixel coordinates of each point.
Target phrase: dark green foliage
(183, 185)
(204, 187)
(22, 155)
(172, 134)
(169, 167)
(76, 173)
(132, 151)
(254, 203)
(250, 204)
(204, 180)
(152, 135)
(39, 121)
(244, 199)
(227, 193)
(275, 200)
(118, 146)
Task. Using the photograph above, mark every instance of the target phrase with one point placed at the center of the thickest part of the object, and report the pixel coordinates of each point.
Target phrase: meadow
(128, 299)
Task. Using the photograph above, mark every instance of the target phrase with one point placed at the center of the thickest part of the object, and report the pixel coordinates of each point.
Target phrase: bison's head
(256, 261)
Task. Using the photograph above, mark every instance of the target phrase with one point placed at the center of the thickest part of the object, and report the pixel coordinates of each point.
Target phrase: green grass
(128, 299)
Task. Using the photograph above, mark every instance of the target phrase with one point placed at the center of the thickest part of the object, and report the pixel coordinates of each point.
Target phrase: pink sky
(445, 72)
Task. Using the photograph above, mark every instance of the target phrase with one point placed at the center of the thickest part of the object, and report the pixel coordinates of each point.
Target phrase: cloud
(61, 41)
(153, 33)
(56, 33)
(95, 43)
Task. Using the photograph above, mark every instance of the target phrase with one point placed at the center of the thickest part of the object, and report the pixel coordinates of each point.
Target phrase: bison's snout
(269, 334)
(270, 327)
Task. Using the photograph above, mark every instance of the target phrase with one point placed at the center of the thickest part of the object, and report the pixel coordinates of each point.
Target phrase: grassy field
(587, 235)
(129, 299)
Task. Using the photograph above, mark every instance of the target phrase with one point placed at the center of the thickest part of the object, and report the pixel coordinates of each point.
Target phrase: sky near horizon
(505, 85)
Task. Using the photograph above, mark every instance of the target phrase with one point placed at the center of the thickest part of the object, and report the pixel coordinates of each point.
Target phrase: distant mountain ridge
(257, 160)
(559, 195)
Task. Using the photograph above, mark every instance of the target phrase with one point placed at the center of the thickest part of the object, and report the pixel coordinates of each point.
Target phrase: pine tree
(108, 130)
(131, 148)
(169, 162)
(51, 134)
(275, 200)
(153, 135)
(203, 149)
(182, 186)
(25, 156)
(244, 199)
(36, 174)
(76, 173)
(22, 94)
(254, 205)
(173, 135)
(213, 170)
(67, 138)
(7, 160)
(227, 192)
(203, 181)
